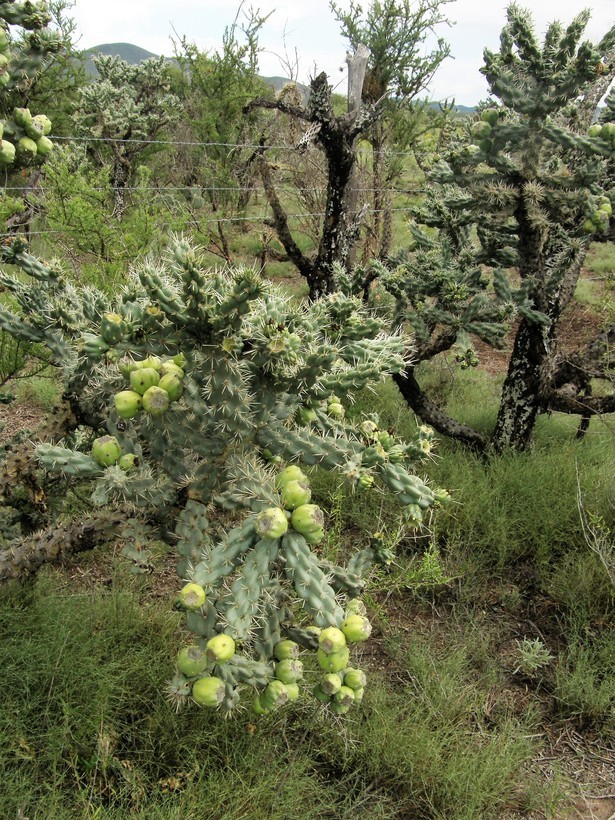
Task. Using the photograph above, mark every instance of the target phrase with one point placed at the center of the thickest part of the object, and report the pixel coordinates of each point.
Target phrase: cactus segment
(310, 582)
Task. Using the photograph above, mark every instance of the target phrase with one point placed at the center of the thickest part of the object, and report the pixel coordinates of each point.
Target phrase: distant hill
(125, 51)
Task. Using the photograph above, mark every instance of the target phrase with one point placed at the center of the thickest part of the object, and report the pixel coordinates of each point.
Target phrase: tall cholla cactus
(23, 137)
(524, 189)
(206, 382)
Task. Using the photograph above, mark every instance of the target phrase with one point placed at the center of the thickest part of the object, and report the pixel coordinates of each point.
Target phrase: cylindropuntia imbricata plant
(254, 593)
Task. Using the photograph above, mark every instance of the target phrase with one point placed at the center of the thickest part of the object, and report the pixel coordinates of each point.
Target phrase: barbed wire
(207, 144)
(215, 221)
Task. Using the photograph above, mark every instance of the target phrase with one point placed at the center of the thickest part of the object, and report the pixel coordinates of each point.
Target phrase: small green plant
(531, 656)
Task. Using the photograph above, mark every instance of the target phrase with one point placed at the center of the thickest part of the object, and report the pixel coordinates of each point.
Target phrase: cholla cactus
(524, 188)
(198, 385)
(23, 137)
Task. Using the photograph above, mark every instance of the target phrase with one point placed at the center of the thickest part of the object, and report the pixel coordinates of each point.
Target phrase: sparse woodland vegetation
(307, 420)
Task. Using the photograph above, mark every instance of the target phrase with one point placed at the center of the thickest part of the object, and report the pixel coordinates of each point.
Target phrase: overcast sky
(309, 28)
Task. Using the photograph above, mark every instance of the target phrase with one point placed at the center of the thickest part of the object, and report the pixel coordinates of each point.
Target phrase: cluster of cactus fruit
(256, 391)
(23, 137)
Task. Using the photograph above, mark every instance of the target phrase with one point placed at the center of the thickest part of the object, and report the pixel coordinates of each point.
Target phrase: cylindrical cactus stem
(192, 530)
(250, 671)
(360, 563)
(247, 588)
(409, 489)
(226, 673)
(341, 579)
(203, 622)
(310, 581)
(25, 556)
(307, 638)
(222, 559)
(269, 631)
(69, 462)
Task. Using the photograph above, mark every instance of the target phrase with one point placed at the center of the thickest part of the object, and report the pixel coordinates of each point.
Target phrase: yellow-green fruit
(142, 379)
(355, 678)
(208, 691)
(356, 607)
(112, 327)
(314, 537)
(345, 696)
(331, 639)
(154, 362)
(339, 708)
(127, 403)
(356, 628)
(22, 116)
(44, 122)
(274, 695)
(257, 706)
(294, 494)
(358, 695)
(336, 410)
(180, 360)
(220, 648)
(271, 523)
(106, 451)
(321, 695)
(44, 146)
(191, 661)
(26, 148)
(155, 401)
(173, 386)
(289, 671)
(290, 473)
(331, 683)
(128, 462)
(286, 649)
(335, 661)
(192, 597)
(307, 519)
(171, 367)
(292, 690)
(7, 151)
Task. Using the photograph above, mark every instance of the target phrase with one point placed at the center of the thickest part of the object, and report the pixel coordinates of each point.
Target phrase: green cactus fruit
(313, 630)
(4, 40)
(356, 628)
(171, 367)
(290, 473)
(385, 439)
(5, 79)
(257, 706)
(155, 362)
(7, 152)
(295, 494)
(331, 639)
(340, 708)
(208, 691)
(355, 678)
(336, 410)
(191, 597)
(314, 537)
(331, 683)
(274, 695)
(490, 115)
(588, 226)
(173, 386)
(128, 462)
(155, 401)
(112, 328)
(44, 122)
(44, 146)
(481, 130)
(21, 116)
(321, 695)
(608, 131)
(180, 360)
(220, 648)
(307, 518)
(607, 208)
(286, 650)
(306, 415)
(106, 451)
(34, 129)
(26, 148)
(358, 695)
(356, 607)
(594, 130)
(127, 403)
(142, 379)
(292, 690)
(369, 428)
(334, 661)
(345, 696)
(271, 523)
(191, 661)
(289, 671)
